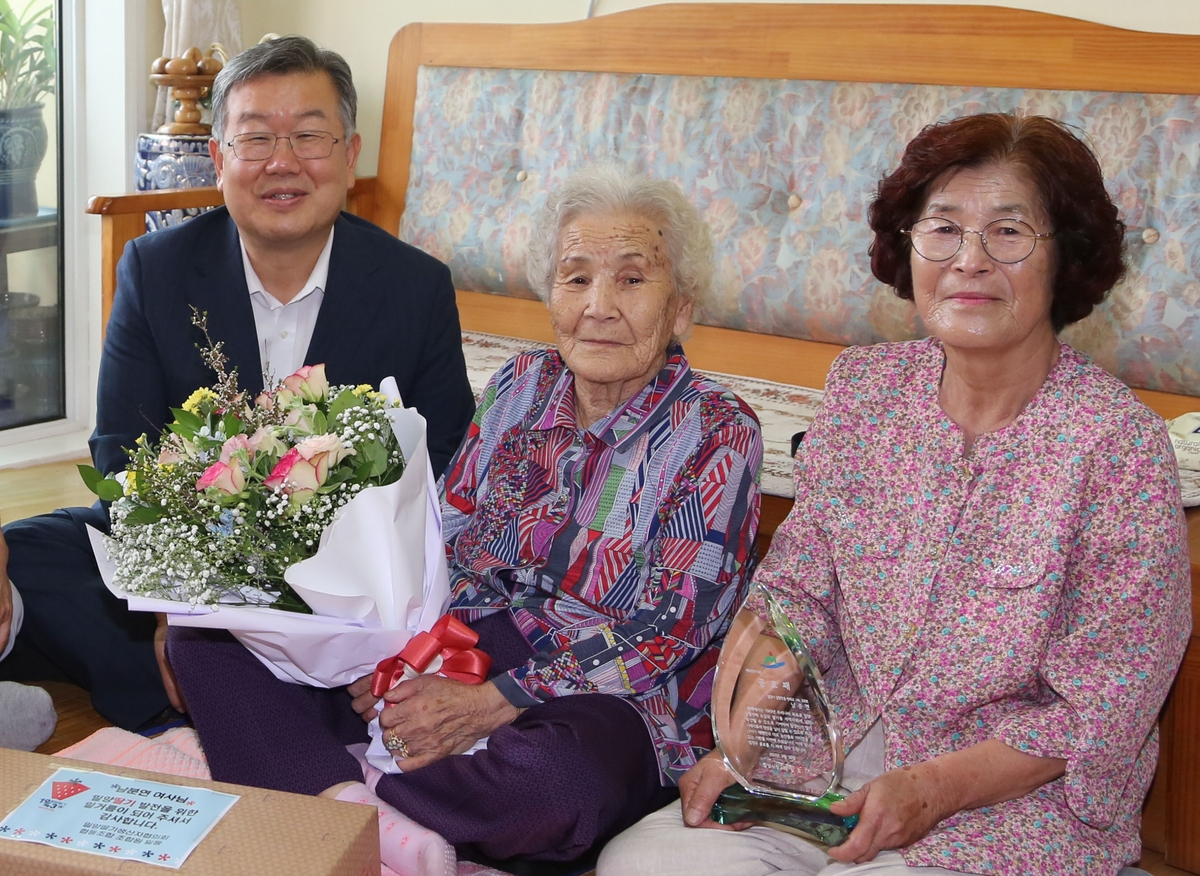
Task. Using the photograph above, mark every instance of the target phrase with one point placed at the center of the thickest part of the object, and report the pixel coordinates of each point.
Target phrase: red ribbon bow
(450, 639)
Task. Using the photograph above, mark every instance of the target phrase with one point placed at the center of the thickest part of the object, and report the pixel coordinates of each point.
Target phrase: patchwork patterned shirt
(1034, 590)
(621, 550)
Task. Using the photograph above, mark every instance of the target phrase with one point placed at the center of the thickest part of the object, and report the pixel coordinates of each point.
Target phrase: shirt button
(283, 334)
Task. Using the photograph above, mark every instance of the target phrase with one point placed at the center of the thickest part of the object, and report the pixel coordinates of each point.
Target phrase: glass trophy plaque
(774, 727)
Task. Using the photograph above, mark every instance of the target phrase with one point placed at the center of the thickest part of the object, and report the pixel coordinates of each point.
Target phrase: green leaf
(336, 478)
(376, 454)
(231, 424)
(345, 401)
(91, 476)
(28, 57)
(106, 488)
(362, 468)
(187, 419)
(143, 514)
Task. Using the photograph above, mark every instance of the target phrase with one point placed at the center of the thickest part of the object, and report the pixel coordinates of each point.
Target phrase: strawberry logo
(63, 790)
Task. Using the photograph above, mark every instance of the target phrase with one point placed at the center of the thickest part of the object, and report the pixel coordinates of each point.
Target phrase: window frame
(102, 107)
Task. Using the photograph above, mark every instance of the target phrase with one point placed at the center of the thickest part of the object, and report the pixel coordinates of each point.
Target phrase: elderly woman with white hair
(599, 521)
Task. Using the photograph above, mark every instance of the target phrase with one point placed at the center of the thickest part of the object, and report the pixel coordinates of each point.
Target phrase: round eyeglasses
(260, 145)
(1004, 240)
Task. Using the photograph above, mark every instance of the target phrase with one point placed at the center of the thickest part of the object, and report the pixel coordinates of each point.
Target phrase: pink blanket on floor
(178, 753)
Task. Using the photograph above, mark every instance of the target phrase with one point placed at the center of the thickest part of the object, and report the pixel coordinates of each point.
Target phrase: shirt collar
(315, 283)
(627, 421)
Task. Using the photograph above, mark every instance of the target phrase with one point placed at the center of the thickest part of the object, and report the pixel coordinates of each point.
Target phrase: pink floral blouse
(1035, 591)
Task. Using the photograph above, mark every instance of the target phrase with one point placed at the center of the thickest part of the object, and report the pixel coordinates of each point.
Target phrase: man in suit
(286, 279)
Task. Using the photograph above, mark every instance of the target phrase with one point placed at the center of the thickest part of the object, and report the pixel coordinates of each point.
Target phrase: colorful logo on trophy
(772, 662)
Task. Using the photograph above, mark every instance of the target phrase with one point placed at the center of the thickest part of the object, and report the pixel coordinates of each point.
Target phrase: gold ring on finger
(393, 743)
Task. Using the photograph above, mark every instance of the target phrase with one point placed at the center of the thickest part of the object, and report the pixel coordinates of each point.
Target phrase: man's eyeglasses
(1004, 240)
(260, 145)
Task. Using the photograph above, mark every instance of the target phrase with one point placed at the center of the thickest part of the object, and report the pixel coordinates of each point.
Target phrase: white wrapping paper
(379, 577)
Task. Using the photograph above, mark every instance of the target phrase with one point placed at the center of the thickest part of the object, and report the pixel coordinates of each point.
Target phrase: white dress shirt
(284, 330)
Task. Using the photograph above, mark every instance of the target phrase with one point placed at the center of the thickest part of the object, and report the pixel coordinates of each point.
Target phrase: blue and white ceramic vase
(23, 141)
(173, 161)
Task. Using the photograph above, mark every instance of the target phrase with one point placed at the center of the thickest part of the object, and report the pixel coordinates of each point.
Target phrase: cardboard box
(265, 832)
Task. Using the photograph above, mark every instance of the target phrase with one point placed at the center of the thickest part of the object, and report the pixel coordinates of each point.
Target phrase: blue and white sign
(130, 819)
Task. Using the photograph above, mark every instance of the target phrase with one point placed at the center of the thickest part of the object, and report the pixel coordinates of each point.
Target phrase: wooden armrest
(123, 217)
(360, 200)
(162, 199)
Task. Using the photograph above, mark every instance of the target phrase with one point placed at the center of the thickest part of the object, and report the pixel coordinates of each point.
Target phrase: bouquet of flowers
(235, 492)
(312, 498)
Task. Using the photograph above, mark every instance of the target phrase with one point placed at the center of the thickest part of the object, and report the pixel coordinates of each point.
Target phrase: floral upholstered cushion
(783, 171)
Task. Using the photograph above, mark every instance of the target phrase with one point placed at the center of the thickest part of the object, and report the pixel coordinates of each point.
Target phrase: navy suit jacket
(388, 310)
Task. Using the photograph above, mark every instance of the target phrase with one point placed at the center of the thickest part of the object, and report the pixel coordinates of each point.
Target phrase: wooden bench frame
(948, 45)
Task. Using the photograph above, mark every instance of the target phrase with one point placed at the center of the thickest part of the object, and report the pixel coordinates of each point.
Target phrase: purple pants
(566, 774)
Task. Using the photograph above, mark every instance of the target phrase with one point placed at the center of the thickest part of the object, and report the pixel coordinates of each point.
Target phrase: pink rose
(264, 441)
(235, 444)
(309, 383)
(301, 419)
(223, 477)
(331, 445)
(298, 478)
(265, 399)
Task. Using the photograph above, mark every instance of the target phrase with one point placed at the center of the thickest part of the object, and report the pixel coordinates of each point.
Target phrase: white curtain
(198, 23)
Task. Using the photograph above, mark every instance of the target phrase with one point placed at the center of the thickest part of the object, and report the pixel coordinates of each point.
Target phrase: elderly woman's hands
(699, 789)
(894, 810)
(436, 716)
(364, 701)
(899, 807)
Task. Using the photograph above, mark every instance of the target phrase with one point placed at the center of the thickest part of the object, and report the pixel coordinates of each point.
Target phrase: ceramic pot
(170, 161)
(22, 147)
(13, 304)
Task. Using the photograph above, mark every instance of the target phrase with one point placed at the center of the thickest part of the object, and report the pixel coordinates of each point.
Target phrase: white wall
(362, 29)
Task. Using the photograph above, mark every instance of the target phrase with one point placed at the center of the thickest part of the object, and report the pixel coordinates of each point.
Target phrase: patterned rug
(782, 409)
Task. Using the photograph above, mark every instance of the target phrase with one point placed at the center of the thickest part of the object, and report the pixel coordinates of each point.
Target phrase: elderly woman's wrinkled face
(613, 304)
(971, 300)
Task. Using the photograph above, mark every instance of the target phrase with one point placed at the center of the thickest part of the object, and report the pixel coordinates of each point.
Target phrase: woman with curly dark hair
(987, 553)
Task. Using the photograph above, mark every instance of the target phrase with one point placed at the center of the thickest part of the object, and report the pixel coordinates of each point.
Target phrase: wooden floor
(77, 720)
(38, 489)
(41, 488)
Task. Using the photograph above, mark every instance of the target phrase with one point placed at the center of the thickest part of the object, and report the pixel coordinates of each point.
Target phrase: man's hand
(164, 666)
(699, 789)
(438, 716)
(6, 610)
(6, 600)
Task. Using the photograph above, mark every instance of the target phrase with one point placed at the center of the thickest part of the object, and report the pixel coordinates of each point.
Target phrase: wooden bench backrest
(937, 45)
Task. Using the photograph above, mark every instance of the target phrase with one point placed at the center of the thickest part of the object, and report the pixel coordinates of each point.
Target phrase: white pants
(17, 616)
(662, 845)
